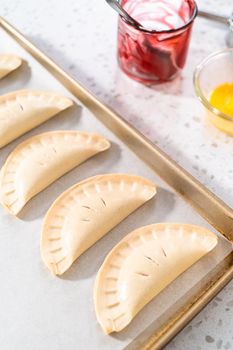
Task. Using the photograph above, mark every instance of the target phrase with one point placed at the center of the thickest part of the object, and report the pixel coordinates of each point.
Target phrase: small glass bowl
(213, 71)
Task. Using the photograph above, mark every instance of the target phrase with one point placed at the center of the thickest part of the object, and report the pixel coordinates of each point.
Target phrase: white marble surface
(81, 36)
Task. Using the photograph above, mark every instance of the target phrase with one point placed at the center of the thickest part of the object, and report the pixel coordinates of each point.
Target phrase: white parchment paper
(39, 311)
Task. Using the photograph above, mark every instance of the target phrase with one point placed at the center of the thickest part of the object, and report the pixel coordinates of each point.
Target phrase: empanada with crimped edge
(86, 212)
(142, 265)
(40, 160)
(23, 110)
(9, 63)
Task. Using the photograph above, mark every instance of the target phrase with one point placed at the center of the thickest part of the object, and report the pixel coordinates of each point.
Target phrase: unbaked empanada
(142, 265)
(40, 160)
(86, 212)
(9, 63)
(23, 110)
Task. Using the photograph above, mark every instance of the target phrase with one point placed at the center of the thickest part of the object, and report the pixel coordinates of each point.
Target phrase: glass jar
(149, 55)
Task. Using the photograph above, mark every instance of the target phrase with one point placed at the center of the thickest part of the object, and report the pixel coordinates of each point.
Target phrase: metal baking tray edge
(208, 205)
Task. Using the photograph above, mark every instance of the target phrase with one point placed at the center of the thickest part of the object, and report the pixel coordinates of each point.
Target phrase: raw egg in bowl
(213, 82)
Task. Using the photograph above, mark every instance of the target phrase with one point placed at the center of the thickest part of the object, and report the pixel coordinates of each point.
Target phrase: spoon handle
(214, 17)
(117, 7)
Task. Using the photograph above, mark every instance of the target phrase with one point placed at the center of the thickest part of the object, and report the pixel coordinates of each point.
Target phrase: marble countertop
(81, 37)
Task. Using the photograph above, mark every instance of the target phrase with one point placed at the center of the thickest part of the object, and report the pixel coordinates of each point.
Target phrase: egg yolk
(222, 98)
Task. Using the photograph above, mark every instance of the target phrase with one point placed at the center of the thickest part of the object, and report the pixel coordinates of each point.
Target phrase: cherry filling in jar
(157, 50)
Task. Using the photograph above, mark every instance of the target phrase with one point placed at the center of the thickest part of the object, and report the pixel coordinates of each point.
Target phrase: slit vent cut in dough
(86, 212)
(142, 265)
(9, 63)
(23, 110)
(40, 160)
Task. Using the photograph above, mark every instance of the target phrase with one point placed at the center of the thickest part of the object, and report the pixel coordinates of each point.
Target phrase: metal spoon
(222, 19)
(118, 8)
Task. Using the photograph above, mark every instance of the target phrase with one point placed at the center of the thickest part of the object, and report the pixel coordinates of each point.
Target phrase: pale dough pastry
(40, 160)
(23, 110)
(9, 63)
(142, 265)
(86, 212)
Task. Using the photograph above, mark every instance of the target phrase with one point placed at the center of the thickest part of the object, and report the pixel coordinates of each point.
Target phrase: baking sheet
(40, 311)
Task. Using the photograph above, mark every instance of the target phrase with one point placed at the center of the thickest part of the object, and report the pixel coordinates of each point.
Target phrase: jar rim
(165, 31)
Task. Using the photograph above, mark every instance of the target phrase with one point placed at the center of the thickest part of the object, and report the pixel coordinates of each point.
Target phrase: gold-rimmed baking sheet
(62, 309)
